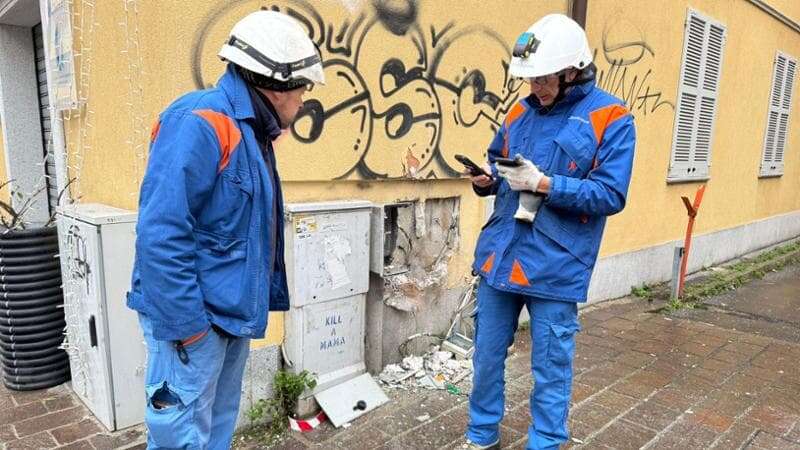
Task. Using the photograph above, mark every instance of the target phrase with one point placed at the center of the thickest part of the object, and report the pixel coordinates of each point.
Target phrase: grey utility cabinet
(327, 259)
(105, 344)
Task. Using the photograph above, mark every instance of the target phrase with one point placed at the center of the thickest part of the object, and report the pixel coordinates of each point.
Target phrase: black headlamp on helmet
(525, 45)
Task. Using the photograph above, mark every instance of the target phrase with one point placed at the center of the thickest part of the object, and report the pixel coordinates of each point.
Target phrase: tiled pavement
(55, 418)
(689, 380)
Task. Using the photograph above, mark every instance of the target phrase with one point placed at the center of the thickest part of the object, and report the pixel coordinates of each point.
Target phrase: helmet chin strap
(585, 75)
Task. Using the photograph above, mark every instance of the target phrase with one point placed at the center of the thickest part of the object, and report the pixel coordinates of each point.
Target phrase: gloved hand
(528, 206)
(525, 177)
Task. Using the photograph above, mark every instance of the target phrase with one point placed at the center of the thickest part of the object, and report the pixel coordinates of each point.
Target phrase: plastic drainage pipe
(35, 362)
(24, 316)
(55, 381)
(26, 287)
(46, 292)
(48, 344)
(37, 276)
(22, 304)
(35, 338)
(38, 327)
(37, 370)
(29, 354)
(25, 251)
(54, 264)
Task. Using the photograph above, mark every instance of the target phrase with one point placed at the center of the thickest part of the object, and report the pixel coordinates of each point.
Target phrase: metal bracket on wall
(396, 240)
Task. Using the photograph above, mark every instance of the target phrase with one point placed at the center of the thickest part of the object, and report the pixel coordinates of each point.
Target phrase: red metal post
(691, 210)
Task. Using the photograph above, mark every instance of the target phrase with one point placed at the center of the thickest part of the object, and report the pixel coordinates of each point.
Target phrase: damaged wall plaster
(427, 236)
(411, 296)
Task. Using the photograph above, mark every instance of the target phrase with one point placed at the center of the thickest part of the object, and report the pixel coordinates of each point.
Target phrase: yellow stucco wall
(135, 62)
(735, 195)
(789, 8)
(151, 55)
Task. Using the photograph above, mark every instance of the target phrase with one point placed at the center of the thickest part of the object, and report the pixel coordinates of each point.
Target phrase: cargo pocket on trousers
(562, 342)
(170, 416)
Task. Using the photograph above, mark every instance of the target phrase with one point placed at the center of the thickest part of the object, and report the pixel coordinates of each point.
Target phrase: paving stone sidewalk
(727, 377)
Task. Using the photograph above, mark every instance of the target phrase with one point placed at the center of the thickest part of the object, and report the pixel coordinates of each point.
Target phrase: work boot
(469, 445)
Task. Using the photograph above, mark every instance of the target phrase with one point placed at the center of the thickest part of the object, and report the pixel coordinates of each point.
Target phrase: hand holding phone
(474, 169)
(508, 162)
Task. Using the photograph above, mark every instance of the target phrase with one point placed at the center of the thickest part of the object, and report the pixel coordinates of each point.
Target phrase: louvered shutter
(698, 90)
(780, 103)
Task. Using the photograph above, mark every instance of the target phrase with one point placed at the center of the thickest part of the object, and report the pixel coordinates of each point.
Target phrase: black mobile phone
(508, 162)
(474, 169)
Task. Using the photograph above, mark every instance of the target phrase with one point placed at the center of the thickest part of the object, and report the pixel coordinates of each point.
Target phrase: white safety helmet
(554, 43)
(276, 46)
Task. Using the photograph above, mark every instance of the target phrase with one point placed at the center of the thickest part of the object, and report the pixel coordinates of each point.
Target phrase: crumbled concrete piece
(452, 365)
(402, 303)
(442, 356)
(413, 363)
(393, 368)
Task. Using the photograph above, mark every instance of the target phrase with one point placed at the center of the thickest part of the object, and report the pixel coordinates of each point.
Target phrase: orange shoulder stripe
(154, 131)
(605, 116)
(228, 134)
(514, 114)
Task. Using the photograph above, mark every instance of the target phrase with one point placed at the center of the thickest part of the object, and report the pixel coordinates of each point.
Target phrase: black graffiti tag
(623, 77)
(411, 107)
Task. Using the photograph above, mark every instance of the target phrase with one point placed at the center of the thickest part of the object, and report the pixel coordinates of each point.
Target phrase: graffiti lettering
(398, 103)
(629, 70)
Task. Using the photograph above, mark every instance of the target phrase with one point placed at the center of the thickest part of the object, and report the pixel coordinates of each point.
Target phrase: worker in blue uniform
(209, 263)
(565, 155)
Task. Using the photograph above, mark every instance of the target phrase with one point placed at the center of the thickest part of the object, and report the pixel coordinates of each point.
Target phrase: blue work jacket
(585, 142)
(209, 243)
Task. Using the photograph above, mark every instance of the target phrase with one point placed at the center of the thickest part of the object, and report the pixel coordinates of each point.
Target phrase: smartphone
(508, 162)
(474, 169)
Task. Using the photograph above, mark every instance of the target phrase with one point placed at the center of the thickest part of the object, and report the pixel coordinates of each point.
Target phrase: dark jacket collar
(265, 119)
(250, 104)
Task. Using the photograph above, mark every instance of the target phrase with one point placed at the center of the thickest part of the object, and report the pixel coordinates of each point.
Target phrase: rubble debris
(413, 363)
(436, 370)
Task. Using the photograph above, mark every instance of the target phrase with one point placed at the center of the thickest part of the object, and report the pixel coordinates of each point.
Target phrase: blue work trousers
(196, 396)
(553, 326)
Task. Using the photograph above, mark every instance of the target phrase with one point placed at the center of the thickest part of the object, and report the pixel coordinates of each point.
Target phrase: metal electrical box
(104, 341)
(327, 265)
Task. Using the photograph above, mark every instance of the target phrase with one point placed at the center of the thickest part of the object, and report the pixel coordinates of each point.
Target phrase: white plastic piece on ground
(341, 403)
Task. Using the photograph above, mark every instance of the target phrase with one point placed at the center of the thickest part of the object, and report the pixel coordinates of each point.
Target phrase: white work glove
(525, 177)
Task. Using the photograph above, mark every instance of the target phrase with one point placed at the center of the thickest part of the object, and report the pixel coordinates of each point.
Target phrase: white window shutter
(698, 90)
(780, 102)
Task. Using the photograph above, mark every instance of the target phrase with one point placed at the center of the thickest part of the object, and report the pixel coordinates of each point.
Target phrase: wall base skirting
(615, 275)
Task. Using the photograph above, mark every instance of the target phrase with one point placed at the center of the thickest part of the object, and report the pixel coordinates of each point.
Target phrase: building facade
(711, 84)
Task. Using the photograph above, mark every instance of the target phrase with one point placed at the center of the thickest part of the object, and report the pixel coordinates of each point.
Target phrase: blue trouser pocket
(561, 348)
(170, 415)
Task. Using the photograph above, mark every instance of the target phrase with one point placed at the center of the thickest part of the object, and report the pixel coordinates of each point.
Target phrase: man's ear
(572, 74)
(276, 97)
